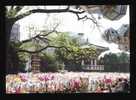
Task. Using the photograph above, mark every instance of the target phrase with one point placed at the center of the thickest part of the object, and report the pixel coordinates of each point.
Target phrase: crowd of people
(69, 82)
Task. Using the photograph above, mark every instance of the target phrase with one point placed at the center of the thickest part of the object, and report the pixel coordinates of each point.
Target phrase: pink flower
(76, 84)
(46, 78)
(23, 78)
(52, 77)
(108, 81)
(41, 78)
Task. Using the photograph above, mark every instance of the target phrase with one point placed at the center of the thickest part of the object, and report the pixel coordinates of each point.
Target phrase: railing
(94, 67)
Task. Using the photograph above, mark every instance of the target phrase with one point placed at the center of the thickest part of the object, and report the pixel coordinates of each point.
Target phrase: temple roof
(95, 46)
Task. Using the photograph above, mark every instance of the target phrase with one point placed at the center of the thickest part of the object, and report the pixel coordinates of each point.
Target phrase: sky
(69, 23)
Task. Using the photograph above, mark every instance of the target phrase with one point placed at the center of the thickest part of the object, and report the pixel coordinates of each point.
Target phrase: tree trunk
(9, 23)
(12, 57)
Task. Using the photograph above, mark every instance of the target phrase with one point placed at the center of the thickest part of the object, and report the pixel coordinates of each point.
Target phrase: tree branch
(54, 30)
(86, 18)
(11, 8)
(43, 39)
(92, 18)
(39, 35)
(47, 11)
(28, 40)
(79, 18)
(37, 51)
(19, 8)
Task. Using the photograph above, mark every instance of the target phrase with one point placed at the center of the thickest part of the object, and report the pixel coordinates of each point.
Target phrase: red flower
(17, 90)
(108, 81)
(76, 84)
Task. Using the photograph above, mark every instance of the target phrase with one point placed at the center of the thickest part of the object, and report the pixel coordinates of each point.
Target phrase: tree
(73, 58)
(124, 58)
(13, 15)
(116, 62)
(63, 39)
(124, 61)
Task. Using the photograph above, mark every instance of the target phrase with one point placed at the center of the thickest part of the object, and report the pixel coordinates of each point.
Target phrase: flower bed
(61, 83)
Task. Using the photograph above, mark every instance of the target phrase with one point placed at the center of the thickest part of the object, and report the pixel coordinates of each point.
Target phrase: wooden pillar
(95, 63)
(82, 63)
(91, 62)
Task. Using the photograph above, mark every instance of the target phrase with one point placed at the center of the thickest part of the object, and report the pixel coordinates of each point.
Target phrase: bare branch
(39, 35)
(19, 8)
(28, 40)
(86, 18)
(54, 30)
(43, 39)
(11, 8)
(92, 18)
(79, 18)
(47, 11)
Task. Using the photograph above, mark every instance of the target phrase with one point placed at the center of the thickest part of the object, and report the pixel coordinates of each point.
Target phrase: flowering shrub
(58, 82)
(23, 77)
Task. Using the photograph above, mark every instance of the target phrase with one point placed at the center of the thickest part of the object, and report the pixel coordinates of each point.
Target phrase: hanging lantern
(114, 12)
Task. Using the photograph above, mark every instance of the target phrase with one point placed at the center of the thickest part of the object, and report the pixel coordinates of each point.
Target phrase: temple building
(93, 63)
